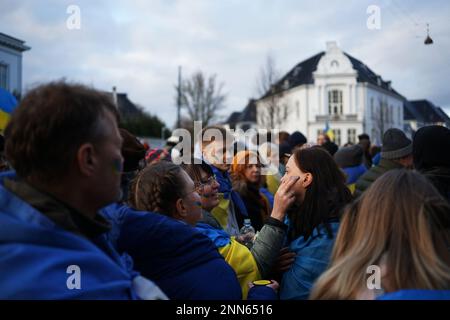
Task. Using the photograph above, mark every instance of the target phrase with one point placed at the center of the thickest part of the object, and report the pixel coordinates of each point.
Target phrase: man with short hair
(396, 153)
(65, 147)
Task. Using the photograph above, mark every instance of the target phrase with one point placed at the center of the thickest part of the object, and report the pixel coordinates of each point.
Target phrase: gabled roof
(424, 111)
(233, 118)
(443, 115)
(246, 115)
(409, 112)
(249, 113)
(13, 43)
(127, 109)
(302, 74)
(365, 74)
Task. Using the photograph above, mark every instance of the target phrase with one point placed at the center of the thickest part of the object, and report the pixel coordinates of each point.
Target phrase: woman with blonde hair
(400, 227)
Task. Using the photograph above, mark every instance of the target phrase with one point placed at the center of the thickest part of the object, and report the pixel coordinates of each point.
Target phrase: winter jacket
(374, 173)
(352, 175)
(417, 295)
(249, 264)
(41, 260)
(312, 259)
(440, 178)
(183, 262)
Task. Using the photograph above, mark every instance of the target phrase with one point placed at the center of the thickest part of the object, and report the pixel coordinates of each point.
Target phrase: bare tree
(272, 113)
(380, 120)
(202, 98)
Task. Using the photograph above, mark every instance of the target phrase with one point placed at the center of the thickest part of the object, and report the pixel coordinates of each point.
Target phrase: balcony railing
(337, 117)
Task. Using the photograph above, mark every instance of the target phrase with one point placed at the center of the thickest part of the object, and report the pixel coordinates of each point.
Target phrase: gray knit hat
(395, 144)
(351, 156)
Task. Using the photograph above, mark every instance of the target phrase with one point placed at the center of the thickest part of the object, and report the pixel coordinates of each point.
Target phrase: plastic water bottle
(247, 233)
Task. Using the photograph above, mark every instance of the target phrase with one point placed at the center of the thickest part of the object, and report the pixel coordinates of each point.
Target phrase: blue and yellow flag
(328, 131)
(7, 105)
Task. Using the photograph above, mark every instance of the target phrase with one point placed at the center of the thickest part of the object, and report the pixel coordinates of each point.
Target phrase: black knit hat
(285, 149)
(133, 151)
(347, 157)
(297, 138)
(395, 144)
(431, 147)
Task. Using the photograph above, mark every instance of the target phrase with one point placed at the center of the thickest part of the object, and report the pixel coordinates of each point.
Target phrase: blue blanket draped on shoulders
(223, 178)
(183, 262)
(35, 255)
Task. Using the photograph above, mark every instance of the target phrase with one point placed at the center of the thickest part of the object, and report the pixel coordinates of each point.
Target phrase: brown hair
(324, 198)
(157, 188)
(50, 124)
(223, 131)
(401, 218)
(194, 170)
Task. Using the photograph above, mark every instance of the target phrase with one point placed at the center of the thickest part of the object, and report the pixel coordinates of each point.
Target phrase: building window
(4, 76)
(351, 135)
(372, 108)
(337, 136)
(335, 106)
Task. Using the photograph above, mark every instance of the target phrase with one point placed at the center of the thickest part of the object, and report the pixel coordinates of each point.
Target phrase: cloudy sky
(138, 45)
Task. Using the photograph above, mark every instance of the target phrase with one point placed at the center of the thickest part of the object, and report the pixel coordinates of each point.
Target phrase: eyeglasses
(209, 182)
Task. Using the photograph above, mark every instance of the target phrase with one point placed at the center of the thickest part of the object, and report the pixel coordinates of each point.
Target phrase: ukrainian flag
(328, 131)
(7, 105)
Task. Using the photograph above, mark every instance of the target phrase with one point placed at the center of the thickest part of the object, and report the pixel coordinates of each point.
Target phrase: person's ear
(307, 180)
(86, 159)
(181, 211)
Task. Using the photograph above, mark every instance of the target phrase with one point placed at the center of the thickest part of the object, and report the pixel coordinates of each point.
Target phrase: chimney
(379, 81)
(331, 46)
(114, 92)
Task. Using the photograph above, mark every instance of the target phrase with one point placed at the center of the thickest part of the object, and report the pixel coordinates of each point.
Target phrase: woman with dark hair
(320, 195)
(249, 263)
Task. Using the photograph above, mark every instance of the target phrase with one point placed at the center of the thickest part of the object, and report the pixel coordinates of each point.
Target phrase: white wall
(14, 61)
(335, 71)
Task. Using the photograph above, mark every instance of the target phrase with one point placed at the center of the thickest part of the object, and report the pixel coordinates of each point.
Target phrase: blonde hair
(401, 218)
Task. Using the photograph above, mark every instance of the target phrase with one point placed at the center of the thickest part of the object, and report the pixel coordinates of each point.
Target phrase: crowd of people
(79, 193)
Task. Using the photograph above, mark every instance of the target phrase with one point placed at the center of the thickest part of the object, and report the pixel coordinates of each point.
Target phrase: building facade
(11, 50)
(336, 90)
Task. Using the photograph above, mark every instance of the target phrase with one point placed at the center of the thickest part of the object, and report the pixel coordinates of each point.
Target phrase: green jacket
(373, 174)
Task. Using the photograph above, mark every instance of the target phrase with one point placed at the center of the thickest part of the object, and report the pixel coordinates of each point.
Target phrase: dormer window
(334, 64)
(297, 71)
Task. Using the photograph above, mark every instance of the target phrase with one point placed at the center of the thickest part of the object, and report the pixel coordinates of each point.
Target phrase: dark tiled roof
(409, 112)
(249, 113)
(426, 112)
(246, 115)
(443, 115)
(233, 118)
(365, 74)
(302, 74)
(127, 109)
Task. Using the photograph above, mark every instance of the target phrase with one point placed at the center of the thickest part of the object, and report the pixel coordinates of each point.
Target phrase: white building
(332, 87)
(11, 50)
